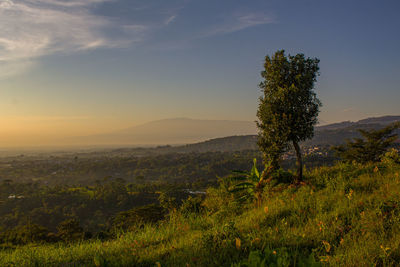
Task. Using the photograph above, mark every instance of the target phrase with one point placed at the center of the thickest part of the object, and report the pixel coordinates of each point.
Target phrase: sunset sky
(78, 67)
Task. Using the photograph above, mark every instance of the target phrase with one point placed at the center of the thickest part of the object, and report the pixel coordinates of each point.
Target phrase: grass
(345, 215)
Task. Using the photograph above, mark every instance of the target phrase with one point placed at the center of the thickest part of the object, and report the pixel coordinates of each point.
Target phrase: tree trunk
(299, 162)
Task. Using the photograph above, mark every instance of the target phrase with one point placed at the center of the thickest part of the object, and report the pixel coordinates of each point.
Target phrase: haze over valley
(199, 133)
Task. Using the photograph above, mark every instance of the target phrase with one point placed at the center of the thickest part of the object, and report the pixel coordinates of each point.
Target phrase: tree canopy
(369, 148)
(289, 107)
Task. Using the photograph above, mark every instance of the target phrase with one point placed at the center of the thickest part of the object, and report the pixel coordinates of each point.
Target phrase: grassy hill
(345, 215)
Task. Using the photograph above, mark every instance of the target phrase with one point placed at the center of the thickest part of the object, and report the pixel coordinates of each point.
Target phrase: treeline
(65, 213)
(194, 169)
(174, 168)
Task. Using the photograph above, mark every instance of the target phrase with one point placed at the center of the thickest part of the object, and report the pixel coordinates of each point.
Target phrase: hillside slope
(331, 134)
(346, 215)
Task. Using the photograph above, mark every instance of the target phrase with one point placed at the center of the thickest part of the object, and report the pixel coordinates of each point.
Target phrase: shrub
(371, 147)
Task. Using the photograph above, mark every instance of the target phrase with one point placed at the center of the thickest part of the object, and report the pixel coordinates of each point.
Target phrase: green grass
(345, 215)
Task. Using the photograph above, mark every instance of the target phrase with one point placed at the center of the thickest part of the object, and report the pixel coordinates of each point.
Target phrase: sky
(81, 67)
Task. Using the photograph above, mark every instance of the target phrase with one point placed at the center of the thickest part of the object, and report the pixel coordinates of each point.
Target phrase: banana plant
(250, 184)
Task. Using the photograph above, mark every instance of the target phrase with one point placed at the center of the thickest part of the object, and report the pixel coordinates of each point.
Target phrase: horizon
(71, 145)
(82, 68)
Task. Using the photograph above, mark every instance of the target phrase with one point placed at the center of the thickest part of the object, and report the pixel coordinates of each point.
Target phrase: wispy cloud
(30, 29)
(237, 22)
(170, 19)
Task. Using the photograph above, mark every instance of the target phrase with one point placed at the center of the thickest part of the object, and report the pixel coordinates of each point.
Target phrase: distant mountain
(221, 135)
(369, 121)
(224, 144)
(337, 133)
(171, 131)
(380, 120)
(332, 134)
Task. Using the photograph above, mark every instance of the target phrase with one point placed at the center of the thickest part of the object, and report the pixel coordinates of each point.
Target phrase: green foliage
(129, 220)
(289, 107)
(220, 202)
(391, 157)
(167, 202)
(249, 184)
(276, 258)
(371, 147)
(344, 215)
(191, 205)
(70, 230)
(25, 234)
(282, 176)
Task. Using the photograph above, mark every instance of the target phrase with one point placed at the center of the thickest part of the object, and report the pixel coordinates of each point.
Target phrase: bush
(131, 219)
(371, 147)
(25, 234)
(70, 230)
(191, 205)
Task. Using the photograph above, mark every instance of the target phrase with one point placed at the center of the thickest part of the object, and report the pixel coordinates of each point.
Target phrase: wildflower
(324, 258)
(385, 250)
(274, 252)
(327, 246)
(376, 169)
(266, 209)
(238, 243)
(350, 194)
(320, 225)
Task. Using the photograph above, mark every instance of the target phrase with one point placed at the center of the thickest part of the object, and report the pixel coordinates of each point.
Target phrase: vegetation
(33, 198)
(289, 108)
(189, 169)
(250, 184)
(345, 215)
(371, 147)
(147, 207)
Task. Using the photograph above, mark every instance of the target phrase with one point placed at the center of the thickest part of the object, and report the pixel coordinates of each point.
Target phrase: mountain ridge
(182, 131)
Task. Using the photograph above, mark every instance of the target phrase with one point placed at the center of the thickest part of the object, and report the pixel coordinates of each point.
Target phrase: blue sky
(87, 66)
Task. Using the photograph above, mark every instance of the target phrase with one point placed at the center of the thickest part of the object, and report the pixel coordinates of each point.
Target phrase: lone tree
(371, 147)
(289, 108)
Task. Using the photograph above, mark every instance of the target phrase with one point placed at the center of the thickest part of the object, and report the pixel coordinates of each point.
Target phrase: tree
(69, 230)
(289, 107)
(371, 147)
(25, 234)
